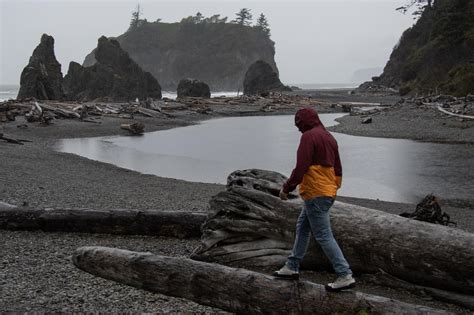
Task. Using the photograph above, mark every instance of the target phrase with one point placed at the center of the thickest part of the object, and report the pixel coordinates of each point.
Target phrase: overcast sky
(316, 41)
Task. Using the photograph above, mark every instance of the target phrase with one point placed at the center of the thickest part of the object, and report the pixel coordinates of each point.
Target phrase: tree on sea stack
(135, 18)
(262, 24)
(244, 17)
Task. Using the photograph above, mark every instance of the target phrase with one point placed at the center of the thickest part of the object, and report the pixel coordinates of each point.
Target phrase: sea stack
(193, 88)
(114, 77)
(42, 77)
(261, 78)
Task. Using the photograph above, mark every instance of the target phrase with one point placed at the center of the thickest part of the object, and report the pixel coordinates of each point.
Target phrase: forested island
(210, 49)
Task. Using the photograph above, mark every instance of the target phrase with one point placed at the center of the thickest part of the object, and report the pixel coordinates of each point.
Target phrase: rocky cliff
(42, 77)
(115, 77)
(216, 53)
(436, 55)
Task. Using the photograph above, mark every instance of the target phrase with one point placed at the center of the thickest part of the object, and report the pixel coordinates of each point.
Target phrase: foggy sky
(316, 41)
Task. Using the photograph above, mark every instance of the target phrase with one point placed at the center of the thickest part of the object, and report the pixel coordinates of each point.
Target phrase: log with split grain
(235, 290)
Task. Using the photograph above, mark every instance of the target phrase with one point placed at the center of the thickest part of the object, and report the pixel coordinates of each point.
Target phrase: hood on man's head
(306, 118)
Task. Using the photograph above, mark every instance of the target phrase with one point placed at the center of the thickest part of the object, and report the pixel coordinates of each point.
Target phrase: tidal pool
(375, 168)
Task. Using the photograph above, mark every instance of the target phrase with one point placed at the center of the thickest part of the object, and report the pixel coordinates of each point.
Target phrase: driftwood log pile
(250, 226)
(461, 107)
(235, 290)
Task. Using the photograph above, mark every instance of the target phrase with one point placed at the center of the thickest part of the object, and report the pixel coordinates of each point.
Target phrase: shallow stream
(375, 168)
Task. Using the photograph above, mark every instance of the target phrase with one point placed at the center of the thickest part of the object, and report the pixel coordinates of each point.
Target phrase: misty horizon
(317, 42)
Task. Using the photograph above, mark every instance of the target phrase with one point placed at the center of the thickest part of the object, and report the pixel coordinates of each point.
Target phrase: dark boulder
(114, 77)
(42, 77)
(261, 79)
(193, 88)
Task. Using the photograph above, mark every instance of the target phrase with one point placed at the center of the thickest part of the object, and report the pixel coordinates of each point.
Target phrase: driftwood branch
(135, 128)
(234, 290)
(11, 140)
(453, 114)
(144, 222)
(249, 226)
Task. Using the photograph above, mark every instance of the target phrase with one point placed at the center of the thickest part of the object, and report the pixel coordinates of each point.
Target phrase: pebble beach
(36, 274)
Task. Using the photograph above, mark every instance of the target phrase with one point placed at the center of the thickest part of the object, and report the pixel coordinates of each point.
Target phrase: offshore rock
(42, 77)
(193, 88)
(261, 79)
(114, 77)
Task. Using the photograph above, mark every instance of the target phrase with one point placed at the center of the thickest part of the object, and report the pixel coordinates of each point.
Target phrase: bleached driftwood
(453, 114)
(249, 226)
(235, 290)
(144, 222)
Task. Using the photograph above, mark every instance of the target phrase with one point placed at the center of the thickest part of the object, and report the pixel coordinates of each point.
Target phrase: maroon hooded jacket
(318, 168)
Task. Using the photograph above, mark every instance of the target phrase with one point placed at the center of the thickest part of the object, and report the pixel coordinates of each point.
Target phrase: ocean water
(8, 92)
(11, 91)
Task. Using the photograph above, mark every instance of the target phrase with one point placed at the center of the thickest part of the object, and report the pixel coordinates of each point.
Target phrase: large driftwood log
(249, 226)
(234, 290)
(144, 222)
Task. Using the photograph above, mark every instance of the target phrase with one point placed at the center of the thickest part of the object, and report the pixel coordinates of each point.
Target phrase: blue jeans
(314, 218)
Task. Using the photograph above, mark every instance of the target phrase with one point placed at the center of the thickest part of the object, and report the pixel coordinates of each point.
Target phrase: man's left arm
(338, 169)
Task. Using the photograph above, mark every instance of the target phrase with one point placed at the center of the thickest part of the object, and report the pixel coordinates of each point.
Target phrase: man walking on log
(318, 171)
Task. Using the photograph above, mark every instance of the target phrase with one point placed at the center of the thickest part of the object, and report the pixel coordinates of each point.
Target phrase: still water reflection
(387, 169)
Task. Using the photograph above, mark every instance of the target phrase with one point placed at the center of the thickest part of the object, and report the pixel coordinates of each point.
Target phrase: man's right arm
(304, 158)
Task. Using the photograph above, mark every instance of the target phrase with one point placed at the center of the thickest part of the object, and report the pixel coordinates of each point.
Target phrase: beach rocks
(371, 87)
(114, 77)
(42, 77)
(193, 88)
(261, 79)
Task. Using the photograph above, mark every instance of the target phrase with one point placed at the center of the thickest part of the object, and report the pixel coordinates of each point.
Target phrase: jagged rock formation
(42, 77)
(194, 88)
(436, 55)
(115, 77)
(260, 78)
(216, 53)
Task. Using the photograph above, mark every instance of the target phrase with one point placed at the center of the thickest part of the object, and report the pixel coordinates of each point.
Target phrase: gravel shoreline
(409, 121)
(36, 274)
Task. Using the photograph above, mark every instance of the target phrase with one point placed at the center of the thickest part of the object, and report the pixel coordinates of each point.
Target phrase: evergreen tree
(198, 18)
(244, 17)
(135, 18)
(262, 24)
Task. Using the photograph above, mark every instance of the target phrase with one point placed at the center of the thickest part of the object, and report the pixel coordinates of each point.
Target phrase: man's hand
(283, 195)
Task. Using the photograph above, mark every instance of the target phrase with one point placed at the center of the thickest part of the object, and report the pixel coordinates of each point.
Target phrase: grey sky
(316, 41)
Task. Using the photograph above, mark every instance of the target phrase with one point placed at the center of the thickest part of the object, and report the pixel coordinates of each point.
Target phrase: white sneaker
(341, 283)
(287, 273)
